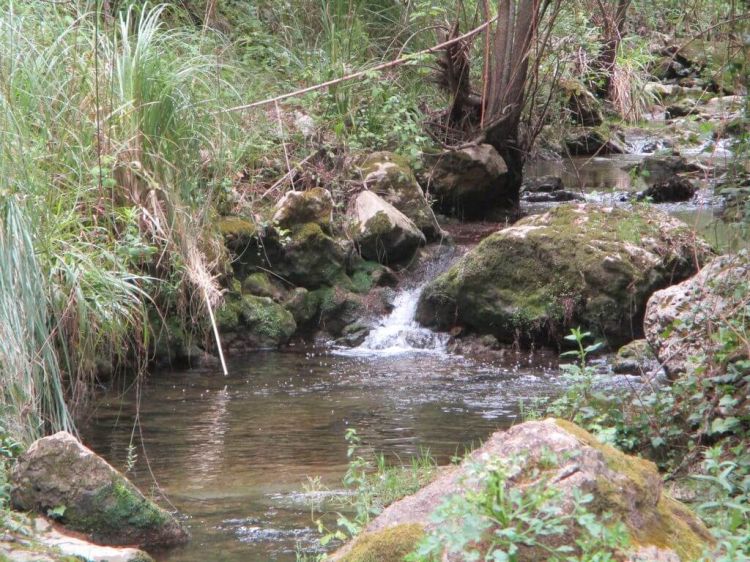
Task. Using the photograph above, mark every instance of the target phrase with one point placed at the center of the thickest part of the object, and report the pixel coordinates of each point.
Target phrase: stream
(234, 454)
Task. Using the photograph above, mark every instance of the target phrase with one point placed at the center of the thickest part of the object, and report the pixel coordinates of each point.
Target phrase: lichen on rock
(576, 265)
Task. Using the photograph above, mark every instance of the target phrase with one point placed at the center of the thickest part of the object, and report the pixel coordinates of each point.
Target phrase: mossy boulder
(623, 489)
(338, 308)
(469, 183)
(59, 472)
(310, 258)
(238, 232)
(299, 207)
(250, 322)
(681, 320)
(382, 232)
(304, 306)
(261, 284)
(576, 265)
(390, 176)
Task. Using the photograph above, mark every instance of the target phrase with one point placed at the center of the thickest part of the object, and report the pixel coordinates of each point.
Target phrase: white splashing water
(400, 333)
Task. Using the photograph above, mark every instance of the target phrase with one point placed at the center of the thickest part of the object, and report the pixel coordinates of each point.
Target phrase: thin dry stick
(216, 331)
(283, 143)
(392, 64)
(283, 178)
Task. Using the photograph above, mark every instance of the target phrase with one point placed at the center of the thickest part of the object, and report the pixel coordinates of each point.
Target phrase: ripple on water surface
(234, 453)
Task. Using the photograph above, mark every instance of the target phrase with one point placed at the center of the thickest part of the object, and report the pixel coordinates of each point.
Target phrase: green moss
(228, 314)
(269, 322)
(376, 159)
(114, 507)
(389, 545)
(672, 525)
(573, 266)
(237, 227)
(378, 225)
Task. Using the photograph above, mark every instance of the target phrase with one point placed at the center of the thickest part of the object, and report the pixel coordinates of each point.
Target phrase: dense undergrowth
(117, 154)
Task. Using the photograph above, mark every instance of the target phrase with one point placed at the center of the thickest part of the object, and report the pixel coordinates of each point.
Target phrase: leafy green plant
(372, 484)
(491, 519)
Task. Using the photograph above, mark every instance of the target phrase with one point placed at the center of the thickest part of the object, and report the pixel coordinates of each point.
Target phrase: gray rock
(470, 182)
(680, 320)
(58, 471)
(390, 176)
(625, 488)
(382, 232)
(299, 207)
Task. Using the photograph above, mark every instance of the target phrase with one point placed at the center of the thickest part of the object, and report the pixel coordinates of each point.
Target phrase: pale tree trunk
(506, 74)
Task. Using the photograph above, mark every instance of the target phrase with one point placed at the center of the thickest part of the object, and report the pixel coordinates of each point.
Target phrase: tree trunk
(613, 24)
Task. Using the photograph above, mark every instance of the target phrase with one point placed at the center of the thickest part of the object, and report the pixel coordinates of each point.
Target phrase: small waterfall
(399, 332)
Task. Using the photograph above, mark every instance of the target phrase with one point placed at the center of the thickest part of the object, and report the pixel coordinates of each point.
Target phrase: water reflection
(232, 453)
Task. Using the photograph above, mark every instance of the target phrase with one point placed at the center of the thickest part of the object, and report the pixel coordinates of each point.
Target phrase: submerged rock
(390, 176)
(576, 265)
(300, 207)
(382, 232)
(623, 489)
(58, 472)
(680, 320)
(469, 183)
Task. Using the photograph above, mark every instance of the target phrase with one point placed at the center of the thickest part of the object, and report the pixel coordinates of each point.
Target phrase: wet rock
(542, 184)
(675, 189)
(589, 142)
(339, 308)
(300, 207)
(552, 197)
(576, 265)
(661, 168)
(469, 183)
(303, 306)
(680, 320)
(390, 176)
(625, 489)
(635, 358)
(249, 322)
(58, 471)
(381, 231)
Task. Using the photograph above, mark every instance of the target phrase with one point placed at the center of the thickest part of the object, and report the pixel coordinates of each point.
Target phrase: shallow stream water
(234, 454)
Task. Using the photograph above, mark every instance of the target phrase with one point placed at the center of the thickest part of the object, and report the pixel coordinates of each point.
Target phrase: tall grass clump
(111, 155)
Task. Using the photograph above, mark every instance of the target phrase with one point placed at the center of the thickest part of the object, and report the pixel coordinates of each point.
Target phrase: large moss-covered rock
(251, 322)
(623, 489)
(681, 320)
(382, 232)
(390, 176)
(576, 265)
(299, 207)
(58, 472)
(471, 182)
